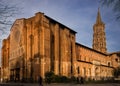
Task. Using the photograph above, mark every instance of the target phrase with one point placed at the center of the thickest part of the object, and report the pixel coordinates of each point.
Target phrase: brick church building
(40, 44)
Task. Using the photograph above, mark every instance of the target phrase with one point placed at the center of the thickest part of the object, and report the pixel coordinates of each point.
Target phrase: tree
(49, 77)
(114, 4)
(116, 72)
(8, 9)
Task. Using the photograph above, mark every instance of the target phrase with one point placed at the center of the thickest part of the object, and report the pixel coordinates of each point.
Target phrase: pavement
(57, 84)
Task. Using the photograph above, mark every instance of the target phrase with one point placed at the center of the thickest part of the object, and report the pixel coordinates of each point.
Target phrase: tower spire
(99, 38)
(98, 19)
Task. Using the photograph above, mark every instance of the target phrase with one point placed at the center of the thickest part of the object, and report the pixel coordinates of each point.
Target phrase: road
(58, 84)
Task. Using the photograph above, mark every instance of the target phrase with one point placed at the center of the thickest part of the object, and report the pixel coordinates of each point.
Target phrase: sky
(80, 15)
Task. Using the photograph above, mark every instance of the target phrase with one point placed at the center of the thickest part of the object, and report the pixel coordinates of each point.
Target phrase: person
(82, 80)
(40, 81)
(77, 80)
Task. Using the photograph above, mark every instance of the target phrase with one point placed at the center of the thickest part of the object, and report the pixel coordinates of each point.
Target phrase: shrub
(49, 77)
(64, 79)
(116, 72)
(73, 79)
(57, 79)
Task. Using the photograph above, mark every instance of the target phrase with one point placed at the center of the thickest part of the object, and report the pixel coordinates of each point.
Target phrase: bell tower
(99, 38)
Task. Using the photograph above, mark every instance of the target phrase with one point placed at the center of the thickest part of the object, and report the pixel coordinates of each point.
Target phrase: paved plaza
(58, 84)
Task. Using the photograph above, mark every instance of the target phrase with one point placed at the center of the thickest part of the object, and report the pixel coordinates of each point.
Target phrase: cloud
(80, 15)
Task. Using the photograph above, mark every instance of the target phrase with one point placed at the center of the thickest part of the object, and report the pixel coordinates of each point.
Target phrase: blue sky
(80, 15)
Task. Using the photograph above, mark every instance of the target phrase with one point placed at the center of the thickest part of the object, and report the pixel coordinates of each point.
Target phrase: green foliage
(61, 79)
(56, 79)
(50, 77)
(116, 72)
(64, 79)
(73, 79)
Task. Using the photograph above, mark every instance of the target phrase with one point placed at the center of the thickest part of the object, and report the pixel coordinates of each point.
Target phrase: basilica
(40, 44)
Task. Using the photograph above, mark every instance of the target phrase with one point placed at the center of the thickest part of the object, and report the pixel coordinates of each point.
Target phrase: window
(108, 63)
(84, 71)
(89, 72)
(78, 70)
(116, 60)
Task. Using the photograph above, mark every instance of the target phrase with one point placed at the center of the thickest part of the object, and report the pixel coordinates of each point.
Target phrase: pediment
(16, 33)
(18, 22)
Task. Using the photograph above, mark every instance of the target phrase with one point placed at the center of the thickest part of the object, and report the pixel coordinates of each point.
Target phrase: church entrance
(17, 78)
(15, 74)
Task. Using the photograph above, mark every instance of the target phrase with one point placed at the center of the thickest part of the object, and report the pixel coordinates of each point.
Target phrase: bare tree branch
(8, 10)
(115, 4)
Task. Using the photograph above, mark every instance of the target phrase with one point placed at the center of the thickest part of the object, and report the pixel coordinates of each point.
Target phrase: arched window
(116, 60)
(78, 69)
(108, 63)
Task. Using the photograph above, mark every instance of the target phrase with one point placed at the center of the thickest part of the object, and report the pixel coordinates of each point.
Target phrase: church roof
(91, 49)
(60, 24)
(118, 53)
